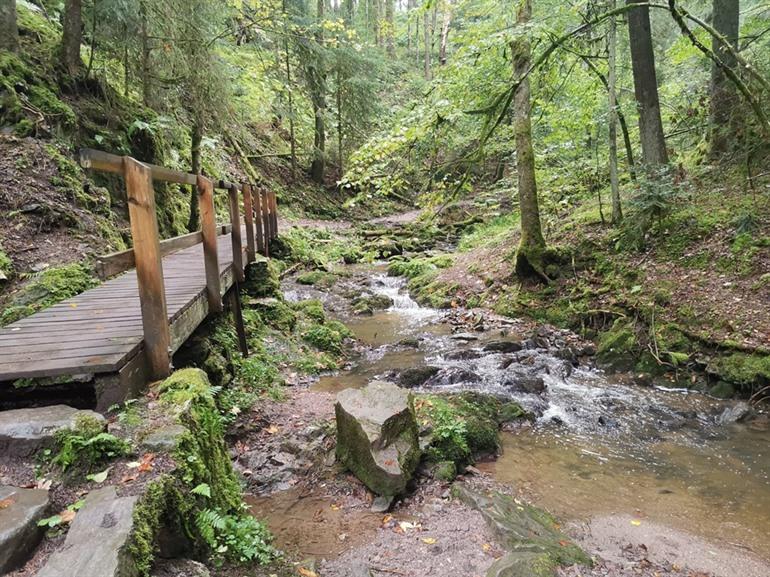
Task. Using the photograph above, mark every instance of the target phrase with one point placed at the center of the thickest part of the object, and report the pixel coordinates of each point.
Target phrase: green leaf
(50, 521)
(202, 489)
(99, 477)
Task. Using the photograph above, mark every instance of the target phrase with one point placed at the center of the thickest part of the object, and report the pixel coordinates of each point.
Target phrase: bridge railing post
(248, 211)
(209, 237)
(274, 213)
(259, 220)
(235, 220)
(149, 268)
(266, 221)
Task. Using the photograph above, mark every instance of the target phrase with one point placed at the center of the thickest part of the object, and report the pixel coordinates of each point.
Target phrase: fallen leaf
(5, 503)
(636, 522)
(67, 516)
(99, 477)
(334, 507)
(387, 519)
(129, 478)
(74, 305)
(272, 429)
(146, 464)
(429, 540)
(486, 547)
(307, 572)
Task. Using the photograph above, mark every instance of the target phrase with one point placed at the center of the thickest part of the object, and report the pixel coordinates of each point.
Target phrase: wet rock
(536, 545)
(526, 384)
(735, 414)
(567, 354)
(179, 568)
(105, 520)
(382, 503)
(463, 355)
(464, 337)
(505, 363)
(722, 390)
(24, 431)
(416, 376)
(369, 303)
(452, 376)
(411, 342)
(20, 510)
(503, 346)
(377, 436)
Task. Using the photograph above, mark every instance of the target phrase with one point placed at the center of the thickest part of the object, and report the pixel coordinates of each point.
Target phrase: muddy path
(650, 481)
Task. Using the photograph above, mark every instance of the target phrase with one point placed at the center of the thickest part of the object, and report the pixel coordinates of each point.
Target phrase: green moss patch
(745, 370)
(465, 426)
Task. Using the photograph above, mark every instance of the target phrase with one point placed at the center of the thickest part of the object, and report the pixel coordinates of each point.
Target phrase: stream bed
(599, 445)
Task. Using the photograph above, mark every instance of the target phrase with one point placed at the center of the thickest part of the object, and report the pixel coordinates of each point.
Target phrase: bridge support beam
(209, 235)
(248, 214)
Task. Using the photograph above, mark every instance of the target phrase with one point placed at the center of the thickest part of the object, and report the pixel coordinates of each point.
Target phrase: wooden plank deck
(100, 330)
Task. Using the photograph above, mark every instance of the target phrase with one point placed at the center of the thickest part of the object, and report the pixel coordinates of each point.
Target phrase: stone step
(25, 431)
(96, 542)
(20, 510)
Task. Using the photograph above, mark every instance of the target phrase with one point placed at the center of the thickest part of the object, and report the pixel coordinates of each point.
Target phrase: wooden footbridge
(123, 333)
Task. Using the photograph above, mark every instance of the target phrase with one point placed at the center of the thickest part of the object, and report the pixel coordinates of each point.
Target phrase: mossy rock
(536, 545)
(328, 336)
(464, 426)
(618, 346)
(312, 309)
(262, 279)
(369, 303)
(416, 376)
(317, 278)
(377, 437)
(275, 312)
(745, 370)
(445, 471)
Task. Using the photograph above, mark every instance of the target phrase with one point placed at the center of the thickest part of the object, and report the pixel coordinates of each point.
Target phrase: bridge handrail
(148, 249)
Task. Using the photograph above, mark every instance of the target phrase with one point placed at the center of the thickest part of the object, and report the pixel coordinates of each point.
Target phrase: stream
(599, 446)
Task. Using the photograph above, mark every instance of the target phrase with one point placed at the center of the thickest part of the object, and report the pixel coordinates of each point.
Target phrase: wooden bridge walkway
(122, 333)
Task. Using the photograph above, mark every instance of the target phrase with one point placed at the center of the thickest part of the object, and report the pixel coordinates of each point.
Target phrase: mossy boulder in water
(532, 537)
(377, 437)
(367, 304)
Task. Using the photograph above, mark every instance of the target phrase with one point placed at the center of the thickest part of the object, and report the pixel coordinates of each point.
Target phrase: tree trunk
(318, 98)
(724, 98)
(617, 212)
(196, 137)
(646, 86)
(409, 7)
(378, 23)
(72, 36)
(340, 135)
(390, 43)
(349, 7)
(9, 31)
(145, 40)
(445, 24)
(531, 252)
(426, 40)
(287, 61)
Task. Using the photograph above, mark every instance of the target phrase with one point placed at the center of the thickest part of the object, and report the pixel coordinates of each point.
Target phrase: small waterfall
(395, 288)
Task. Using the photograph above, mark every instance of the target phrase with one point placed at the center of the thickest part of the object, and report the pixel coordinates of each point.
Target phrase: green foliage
(56, 521)
(319, 278)
(312, 308)
(328, 337)
(415, 267)
(87, 445)
(238, 538)
(745, 370)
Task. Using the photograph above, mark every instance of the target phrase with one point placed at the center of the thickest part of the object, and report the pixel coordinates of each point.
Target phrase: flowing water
(599, 446)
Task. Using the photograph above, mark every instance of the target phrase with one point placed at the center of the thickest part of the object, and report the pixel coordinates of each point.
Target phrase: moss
(48, 288)
(317, 278)
(327, 337)
(412, 268)
(311, 308)
(276, 313)
(743, 369)
(464, 426)
(617, 346)
(262, 279)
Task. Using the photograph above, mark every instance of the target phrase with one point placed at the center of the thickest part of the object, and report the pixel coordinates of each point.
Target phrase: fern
(236, 538)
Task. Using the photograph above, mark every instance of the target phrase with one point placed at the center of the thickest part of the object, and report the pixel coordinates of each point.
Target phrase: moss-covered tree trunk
(72, 36)
(530, 254)
(724, 97)
(196, 137)
(9, 32)
(390, 40)
(427, 42)
(617, 212)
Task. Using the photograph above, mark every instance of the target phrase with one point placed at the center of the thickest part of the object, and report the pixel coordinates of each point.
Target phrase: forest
(363, 288)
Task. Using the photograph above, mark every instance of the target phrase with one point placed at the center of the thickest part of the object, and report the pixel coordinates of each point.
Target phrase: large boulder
(97, 542)
(377, 436)
(20, 510)
(24, 431)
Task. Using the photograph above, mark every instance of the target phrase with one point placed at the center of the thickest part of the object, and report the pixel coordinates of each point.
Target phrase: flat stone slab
(24, 431)
(96, 542)
(20, 510)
